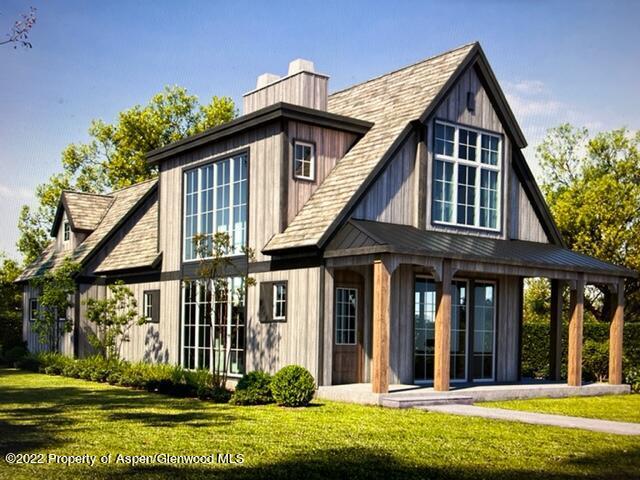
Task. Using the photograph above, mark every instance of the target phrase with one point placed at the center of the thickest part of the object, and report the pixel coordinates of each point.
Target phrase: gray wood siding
(271, 346)
(30, 336)
(508, 329)
(331, 145)
(264, 145)
(304, 88)
(454, 109)
(75, 238)
(392, 198)
(524, 223)
(401, 325)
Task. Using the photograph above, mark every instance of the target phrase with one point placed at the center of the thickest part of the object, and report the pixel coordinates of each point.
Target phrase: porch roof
(360, 237)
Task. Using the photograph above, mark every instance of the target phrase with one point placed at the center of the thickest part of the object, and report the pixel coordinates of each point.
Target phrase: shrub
(30, 362)
(632, 377)
(293, 386)
(254, 388)
(14, 354)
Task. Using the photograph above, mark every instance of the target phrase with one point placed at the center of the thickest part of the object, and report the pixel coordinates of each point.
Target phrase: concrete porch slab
(401, 396)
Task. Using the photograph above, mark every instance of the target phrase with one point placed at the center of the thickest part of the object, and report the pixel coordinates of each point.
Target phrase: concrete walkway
(605, 426)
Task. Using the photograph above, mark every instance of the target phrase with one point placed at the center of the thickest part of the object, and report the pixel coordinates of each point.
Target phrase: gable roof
(364, 236)
(84, 210)
(391, 102)
(124, 203)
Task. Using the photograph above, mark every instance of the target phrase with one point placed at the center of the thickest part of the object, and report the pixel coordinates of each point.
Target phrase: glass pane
(484, 330)
(424, 328)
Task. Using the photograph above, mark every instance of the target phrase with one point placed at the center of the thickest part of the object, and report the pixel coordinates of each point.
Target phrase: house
(393, 223)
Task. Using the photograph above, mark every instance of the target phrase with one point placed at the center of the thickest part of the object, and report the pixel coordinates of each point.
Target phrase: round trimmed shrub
(293, 386)
(254, 388)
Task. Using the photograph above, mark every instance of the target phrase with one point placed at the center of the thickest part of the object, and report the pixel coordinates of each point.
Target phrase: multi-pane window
(346, 316)
(215, 200)
(466, 186)
(484, 310)
(66, 231)
(147, 305)
(424, 329)
(213, 325)
(304, 160)
(33, 309)
(459, 318)
(280, 302)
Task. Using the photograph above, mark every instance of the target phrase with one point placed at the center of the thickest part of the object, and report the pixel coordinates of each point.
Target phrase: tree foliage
(114, 155)
(10, 304)
(57, 287)
(113, 317)
(592, 186)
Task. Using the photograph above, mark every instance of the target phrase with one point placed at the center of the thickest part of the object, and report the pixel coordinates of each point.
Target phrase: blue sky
(557, 61)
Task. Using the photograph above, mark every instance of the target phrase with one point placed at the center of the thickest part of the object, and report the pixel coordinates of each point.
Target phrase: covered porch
(415, 312)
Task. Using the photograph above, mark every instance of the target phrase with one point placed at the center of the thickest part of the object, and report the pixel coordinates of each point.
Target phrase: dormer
(77, 215)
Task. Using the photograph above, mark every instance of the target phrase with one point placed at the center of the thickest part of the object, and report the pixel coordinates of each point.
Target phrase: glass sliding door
(484, 314)
(459, 321)
(424, 329)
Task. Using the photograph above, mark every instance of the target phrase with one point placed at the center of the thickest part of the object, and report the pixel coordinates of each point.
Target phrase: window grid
(279, 301)
(424, 324)
(450, 139)
(67, 231)
(216, 201)
(346, 316)
(33, 309)
(148, 306)
(304, 160)
(459, 321)
(466, 194)
(484, 331)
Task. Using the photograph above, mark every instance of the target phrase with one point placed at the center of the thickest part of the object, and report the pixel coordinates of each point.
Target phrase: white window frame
(279, 301)
(32, 318)
(495, 312)
(312, 161)
(147, 305)
(355, 319)
(479, 166)
(66, 231)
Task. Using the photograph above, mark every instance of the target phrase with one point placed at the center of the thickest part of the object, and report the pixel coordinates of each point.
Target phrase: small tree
(214, 271)
(113, 317)
(57, 287)
(10, 304)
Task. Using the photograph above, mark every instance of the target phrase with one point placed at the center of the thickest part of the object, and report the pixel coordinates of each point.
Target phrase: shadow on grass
(192, 419)
(365, 463)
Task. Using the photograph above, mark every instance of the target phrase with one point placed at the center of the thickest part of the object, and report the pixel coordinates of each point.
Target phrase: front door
(347, 333)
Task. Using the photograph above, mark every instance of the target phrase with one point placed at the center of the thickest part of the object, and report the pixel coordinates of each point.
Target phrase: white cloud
(527, 87)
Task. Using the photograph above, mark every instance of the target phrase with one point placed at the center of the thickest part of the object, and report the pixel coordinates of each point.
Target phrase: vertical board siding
(454, 109)
(402, 341)
(330, 147)
(271, 346)
(508, 329)
(524, 224)
(305, 88)
(392, 197)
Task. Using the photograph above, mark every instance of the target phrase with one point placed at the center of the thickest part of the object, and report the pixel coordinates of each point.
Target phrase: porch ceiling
(362, 237)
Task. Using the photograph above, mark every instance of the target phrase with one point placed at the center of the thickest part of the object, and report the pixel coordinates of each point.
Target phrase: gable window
(151, 305)
(466, 177)
(304, 159)
(33, 309)
(66, 231)
(215, 200)
(279, 302)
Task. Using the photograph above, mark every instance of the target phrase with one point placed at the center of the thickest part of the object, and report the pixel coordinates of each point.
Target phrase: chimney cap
(300, 65)
(266, 79)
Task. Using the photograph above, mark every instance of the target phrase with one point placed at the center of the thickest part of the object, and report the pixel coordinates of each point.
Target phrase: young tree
(113, 317)
(592, 186)
(215, 270)
(10, 304)
(57, 287)
(114, 156)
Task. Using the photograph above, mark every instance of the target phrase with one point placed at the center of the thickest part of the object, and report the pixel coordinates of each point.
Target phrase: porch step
(411, 401)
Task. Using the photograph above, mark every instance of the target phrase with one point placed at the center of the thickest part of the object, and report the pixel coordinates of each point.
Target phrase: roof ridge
(154, 179)
(87, 193)
(424, 60)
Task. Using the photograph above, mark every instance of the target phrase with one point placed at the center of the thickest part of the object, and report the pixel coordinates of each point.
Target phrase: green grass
(623, 408)
(46, 414)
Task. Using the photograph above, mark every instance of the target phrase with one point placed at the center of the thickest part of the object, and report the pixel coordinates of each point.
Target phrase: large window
(346, 316)
(466, 177)
(425, 326)
(484, 330)
(213, 325)
(215, 200)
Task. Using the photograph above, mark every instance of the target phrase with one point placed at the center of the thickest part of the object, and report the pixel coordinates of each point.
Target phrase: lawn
(55, 415)
(623, 408)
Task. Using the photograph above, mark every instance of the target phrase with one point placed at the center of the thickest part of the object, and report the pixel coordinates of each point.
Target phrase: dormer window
(304, 161)
(66, 231)
(466, 177)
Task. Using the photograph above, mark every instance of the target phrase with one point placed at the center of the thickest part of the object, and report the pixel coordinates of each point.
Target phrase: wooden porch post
(555, 350)
(615, 337)
(442, 356)
(381, 314)
(574, 375)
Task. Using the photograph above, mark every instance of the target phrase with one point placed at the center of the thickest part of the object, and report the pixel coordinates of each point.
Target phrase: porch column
(555, 350)
(381, 314)
(574, 375)
(443, 330)
(615, 337)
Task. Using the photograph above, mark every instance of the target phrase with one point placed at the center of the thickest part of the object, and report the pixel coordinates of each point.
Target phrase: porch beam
(574, 375)
(442, 357)
(381, 322)
(615, 336)
(555, 346)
